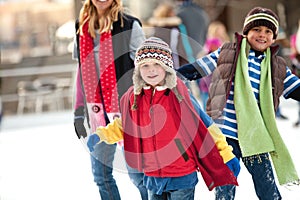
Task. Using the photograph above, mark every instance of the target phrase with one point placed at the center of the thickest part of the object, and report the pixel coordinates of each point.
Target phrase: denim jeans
(186, 194)
(260, 168)
(136, 178)
(102, 159)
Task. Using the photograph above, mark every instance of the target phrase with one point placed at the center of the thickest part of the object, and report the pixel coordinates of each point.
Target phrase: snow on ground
(42, 159)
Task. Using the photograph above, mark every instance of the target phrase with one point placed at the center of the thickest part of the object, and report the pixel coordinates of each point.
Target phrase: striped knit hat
(259, 16)
(156, 50)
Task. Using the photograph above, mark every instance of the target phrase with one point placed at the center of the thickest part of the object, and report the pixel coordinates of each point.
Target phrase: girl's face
(102, 5)
(260, 38)
(153, 73)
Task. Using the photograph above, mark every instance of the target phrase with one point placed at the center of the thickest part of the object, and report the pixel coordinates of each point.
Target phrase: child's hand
(234, 166)
(92, 141)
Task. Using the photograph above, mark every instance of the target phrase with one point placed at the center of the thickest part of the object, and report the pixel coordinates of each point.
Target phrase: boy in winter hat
(247, 80)
(165, 131)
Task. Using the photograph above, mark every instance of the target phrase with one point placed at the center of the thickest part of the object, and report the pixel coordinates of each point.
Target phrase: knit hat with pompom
(259, 16)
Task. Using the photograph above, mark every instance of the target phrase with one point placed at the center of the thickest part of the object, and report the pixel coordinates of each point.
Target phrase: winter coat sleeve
(295, 94)
(112, 133)
(137, 37)
(221, 143)
(79, 96)
(217, 135)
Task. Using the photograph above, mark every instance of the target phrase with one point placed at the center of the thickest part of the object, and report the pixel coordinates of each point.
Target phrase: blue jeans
(186, 194)
(102, 159)
(136, 178)
(260, 168)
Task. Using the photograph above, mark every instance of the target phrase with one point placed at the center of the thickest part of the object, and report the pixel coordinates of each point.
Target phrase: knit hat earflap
(156, 50)
(259, 16)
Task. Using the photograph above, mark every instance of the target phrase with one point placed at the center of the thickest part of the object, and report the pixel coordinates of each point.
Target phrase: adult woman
(106, 42)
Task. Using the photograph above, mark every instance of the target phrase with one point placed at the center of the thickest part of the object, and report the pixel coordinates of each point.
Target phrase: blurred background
(40, 155)
(36, 38)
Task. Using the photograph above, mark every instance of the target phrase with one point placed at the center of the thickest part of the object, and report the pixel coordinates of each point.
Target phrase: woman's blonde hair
(88, 13)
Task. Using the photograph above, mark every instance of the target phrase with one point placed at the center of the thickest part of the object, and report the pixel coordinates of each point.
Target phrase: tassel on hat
(259, 16)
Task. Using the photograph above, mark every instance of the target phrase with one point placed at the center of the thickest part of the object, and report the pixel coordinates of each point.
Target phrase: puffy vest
(223, 76)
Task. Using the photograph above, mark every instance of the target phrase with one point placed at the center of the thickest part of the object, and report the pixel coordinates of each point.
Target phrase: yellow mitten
(112, 133)
(221, 143)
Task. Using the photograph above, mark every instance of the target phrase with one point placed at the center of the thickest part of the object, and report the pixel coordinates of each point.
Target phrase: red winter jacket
(166, 138)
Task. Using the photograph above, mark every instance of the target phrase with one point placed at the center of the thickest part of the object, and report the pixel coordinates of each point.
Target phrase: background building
(29, 26)
(38, 34)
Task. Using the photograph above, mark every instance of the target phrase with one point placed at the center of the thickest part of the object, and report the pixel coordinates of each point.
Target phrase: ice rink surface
(42, 159)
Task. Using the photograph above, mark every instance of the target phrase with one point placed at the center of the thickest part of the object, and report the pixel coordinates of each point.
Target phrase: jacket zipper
(153, 128)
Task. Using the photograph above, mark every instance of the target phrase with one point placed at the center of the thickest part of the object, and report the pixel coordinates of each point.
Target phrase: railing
(37, 70)
(63, 87)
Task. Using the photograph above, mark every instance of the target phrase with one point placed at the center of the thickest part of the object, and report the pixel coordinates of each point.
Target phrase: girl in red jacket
(163, 133)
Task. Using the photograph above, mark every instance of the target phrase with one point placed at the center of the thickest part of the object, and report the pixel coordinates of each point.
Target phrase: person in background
(210, 45)
(106, 39)
(295, 59)
(164, 134)
(216, 36)
(217, 29)
(248, 72)
(196, 21)
(167, 26)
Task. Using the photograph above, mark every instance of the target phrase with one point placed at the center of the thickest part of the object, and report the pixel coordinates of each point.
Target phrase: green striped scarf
(257, 129)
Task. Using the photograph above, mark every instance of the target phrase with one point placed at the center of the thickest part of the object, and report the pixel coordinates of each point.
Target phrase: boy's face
(153, 73)
(260, 38)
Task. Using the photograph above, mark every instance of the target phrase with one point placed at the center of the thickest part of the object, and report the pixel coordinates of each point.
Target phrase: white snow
(42, 159)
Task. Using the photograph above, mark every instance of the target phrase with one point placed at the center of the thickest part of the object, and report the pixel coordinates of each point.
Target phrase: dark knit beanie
(259, 16)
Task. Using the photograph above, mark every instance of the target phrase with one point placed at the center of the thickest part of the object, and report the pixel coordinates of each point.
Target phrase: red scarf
(101, 93)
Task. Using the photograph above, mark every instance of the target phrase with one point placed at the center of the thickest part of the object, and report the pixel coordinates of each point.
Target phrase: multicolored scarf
(99, 81)
(257, 128)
